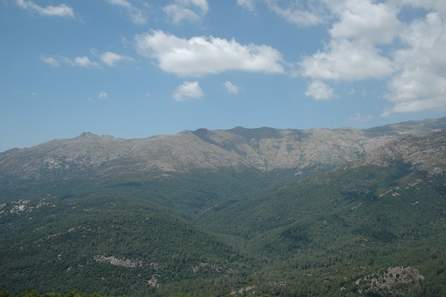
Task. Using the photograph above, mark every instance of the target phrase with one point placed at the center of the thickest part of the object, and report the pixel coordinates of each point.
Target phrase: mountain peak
(88, 135)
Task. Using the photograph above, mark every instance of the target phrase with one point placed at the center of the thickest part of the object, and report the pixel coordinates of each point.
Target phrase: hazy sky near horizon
(134, 68)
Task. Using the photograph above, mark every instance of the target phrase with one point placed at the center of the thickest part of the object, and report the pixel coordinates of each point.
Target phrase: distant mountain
(263, 149)
(239, 212)
(418, 128)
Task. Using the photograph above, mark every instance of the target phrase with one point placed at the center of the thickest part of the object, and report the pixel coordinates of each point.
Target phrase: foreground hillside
(255, 212)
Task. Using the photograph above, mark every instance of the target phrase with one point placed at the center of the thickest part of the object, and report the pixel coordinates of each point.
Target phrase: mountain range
(263, 149)
(258, 212)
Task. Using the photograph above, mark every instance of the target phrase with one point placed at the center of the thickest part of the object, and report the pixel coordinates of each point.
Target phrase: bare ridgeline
(264, 149)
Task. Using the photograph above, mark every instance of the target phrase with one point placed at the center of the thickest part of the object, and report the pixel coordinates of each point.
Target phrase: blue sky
(135, 68)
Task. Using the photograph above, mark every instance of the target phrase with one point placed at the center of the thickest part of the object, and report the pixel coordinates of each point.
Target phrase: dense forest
(314, 237)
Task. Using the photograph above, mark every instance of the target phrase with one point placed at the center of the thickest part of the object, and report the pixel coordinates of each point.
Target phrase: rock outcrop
(393, 282)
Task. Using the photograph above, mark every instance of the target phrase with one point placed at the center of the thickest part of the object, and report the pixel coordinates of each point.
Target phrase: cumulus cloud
(431, 5)
(111, 58)
(347, 61)
(231, 88)
(369, 41)
(136, 12)
(420, 83)
(207, 55)
(319, 91)
(82, 61)
(50, 61)
(366, 21)
(188, 90)
(247, 4)
(59, 10)
(186, 10)
(352, 53)
(307, 15)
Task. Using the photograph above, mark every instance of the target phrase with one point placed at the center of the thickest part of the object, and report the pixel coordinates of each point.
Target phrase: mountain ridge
(263, 149)
(285, 212)
(425, 123)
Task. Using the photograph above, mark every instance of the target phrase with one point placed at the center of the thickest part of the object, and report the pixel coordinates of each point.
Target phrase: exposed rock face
(153, 282)
(207, 267)
(424, 152)
(127, 263)
(243, 291)
(23, 207)
(269, 149)
(421, 144)
(393, 282)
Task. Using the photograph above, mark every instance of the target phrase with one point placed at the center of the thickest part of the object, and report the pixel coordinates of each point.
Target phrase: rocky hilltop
(263, 149)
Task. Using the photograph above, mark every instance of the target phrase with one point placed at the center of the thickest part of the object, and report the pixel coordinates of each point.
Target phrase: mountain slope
(105, 244)
(243, 211)
(262, 149)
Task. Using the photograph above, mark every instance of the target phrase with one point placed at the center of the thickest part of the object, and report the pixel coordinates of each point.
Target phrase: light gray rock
(421, 144)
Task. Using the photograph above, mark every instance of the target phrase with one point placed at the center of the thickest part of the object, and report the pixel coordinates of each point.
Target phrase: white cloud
(413, 91)
(415, 64)
(50, 61)
(123, 3)
(137, 13)
(247, 4)
(107, 58)
(366, 21)
(201, 4)
(188, 90)
(83, 61)
(111, 58)
(301, 16)
(352, 53)
(178, 14)
(231, 88)
(420, 83)
(319, 91)
(430, 5)
(348, 61)
(207, 55)
(103, 95)
(186, 10)
(60, 10)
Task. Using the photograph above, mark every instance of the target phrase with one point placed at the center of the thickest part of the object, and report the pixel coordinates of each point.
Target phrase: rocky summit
(263, 149)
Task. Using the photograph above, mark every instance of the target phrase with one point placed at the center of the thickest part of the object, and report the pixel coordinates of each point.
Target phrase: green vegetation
(216, 233)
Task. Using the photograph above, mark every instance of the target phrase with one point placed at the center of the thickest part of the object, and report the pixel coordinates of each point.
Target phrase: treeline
(35, 293)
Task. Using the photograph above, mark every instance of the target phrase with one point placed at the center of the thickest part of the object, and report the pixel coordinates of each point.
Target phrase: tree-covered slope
(107, 245)
(316, 235)
(326, 231)
(299, 213)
